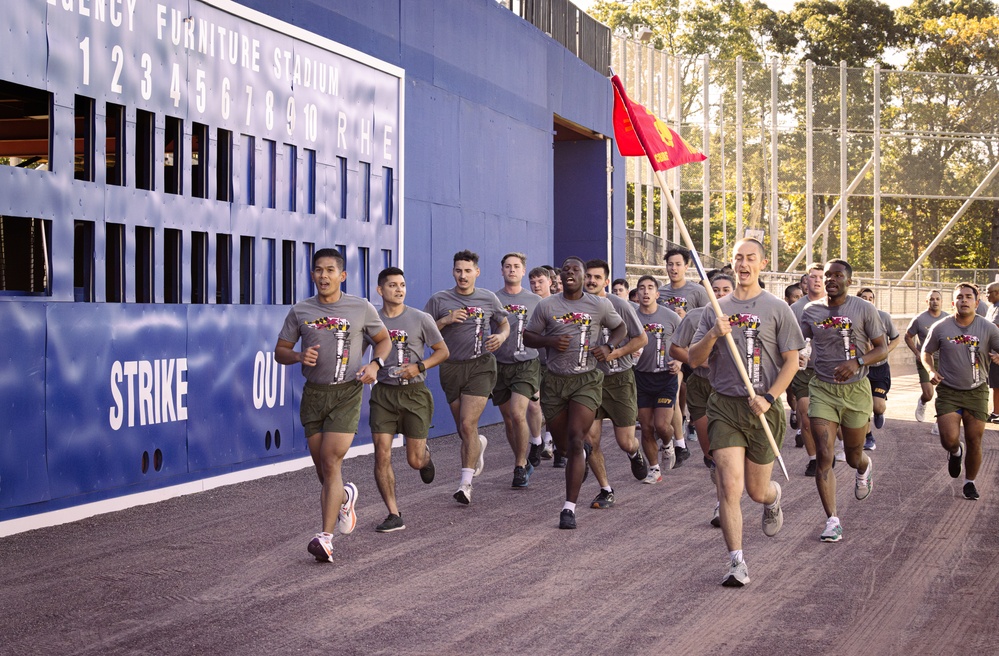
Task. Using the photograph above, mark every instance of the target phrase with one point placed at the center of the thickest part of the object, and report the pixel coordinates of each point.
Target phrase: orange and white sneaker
(347, 519)
(321, 547)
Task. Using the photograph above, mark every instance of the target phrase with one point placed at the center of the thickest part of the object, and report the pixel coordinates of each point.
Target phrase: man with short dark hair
(914, 336)
(567, 324)
(332, 325)
(792, 293)
(618, 393)
(401, 402)
(473, 324)
(620, 288)
(965, 344)
(847, 333)
(518, 370)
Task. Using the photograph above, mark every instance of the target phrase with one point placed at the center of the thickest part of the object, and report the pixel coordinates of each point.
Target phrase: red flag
(638, 132)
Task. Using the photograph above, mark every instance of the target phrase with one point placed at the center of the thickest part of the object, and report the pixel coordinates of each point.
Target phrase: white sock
(654, 467)
(771, 505)
(835, 518)
(568, 505)
(466, 475)
(811, 458)
(548, 437)
(607, 489)
(681, 443)
(735, 555)
(536, 440)
(635, 454)
(966, 481)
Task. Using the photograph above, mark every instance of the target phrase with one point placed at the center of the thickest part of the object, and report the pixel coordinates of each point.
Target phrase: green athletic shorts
(799, 384)
(975, 401)
(331, 408)
(585, 389)
(406, 409)
(924, 376)
(698, 391)
(524, 378)
(619, 399)
(470, 377)
(731, 423)
(850, 405)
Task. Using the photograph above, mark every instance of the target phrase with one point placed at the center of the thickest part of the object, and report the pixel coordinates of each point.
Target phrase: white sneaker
(935, 430)
(482, 453)
(865, 482)
(773, 518)
(655, 475)
(840, 456)
(669, 455)
(920, 410)
(738, 575)
(321, 546)
(464, 494)
(833, 531)
(347, 519)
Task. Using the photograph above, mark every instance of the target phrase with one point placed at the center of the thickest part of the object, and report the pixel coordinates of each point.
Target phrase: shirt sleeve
(290, 331)
(372, 322)
(431, 333)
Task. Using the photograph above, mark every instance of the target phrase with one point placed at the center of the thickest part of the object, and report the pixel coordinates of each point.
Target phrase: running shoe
(994, 418)
(716, 516)
(738, 575)
(773, 517)
(865, 482)
(683, 427)
(920, 409)
(639, 469)
(935, 430)
(547, 453)
(840, 455)
(347, 519)
(879, 421)
(392, 523)
(799, 440)
(604, 499)
(567, 519)
(534, 455)
(810, 468)
(481, 462)
(464, 494)
(682, 453)
(669, 454)
(833, 532)
(522, 475)
(954, 462)
(558, 460)
(794, 419)
(321, 547)
(970, 491)
(655, 475)
(428, 471)
(869, 443)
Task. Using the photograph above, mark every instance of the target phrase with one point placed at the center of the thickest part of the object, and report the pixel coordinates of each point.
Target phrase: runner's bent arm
(285, 353)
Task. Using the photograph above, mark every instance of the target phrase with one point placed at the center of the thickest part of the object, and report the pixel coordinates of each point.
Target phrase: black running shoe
(682, 453)
(970, 491)
(558, 460)
(534, 455)
(810, 469)
(639, 468)
(794, 419)
(567, 519)
(799, 441)
(391, 523)
(954, 462)
(522, 475)
(603, 500)
(879, 421)
(428, 471)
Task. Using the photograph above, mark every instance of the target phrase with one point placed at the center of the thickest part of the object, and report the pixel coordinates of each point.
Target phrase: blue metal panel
(23, 477)
(238, 394)
(117, 379)
(431, 123)
(580, 199)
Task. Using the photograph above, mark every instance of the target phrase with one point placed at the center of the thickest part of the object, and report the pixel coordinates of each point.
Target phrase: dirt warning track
(226, 571)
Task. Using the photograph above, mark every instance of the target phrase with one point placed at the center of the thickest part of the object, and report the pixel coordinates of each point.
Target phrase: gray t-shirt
(521, 307)
(660, 326)
(691, 295)
(890, 333)
(627, 312)
(338, 329)
(684, 335)
(983, 307)
(839, 334)
(466, 339)
(963, 352)
(763, 328)
(993, 314)
(582, 320)
(797, 308)
(920, 325)
(411, 333)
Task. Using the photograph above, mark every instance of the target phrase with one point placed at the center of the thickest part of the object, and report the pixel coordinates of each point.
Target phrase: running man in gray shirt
(965, 344)
(401, 402)
(768, 339)
(464, 316)
(568, 326)
(914, 336)
(332, 326)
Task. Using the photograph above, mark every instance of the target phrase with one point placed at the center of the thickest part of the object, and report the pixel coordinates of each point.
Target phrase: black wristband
(422, 367)
(769, 397)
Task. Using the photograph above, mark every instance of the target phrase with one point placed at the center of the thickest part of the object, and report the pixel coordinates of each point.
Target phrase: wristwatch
(860, 360)
(379, 362)
(422, 367)
(769, 397)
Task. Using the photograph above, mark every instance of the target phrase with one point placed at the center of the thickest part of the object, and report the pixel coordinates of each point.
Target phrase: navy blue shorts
(656, 390)
(880, 378)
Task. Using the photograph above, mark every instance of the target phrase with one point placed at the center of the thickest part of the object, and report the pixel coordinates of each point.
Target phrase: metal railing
(583, 36)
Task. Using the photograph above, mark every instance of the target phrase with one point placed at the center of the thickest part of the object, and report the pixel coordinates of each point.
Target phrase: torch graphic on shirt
(973, 349)
(519, 311)
(582, 320)
(400, 342)
(658, 330)
(750, 323)
(479, 316)
(615, 364)
(845, 327)
(341, 328)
